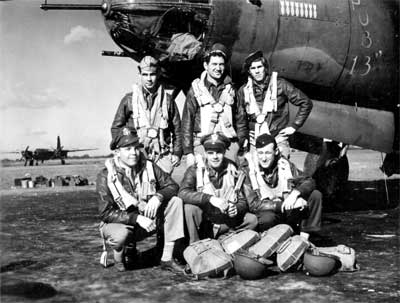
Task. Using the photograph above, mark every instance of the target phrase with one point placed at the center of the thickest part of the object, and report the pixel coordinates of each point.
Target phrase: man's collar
(211, 82)
(261, 84)
(148, 92)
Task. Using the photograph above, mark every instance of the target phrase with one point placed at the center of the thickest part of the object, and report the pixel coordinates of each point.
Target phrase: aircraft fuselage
(344, 54)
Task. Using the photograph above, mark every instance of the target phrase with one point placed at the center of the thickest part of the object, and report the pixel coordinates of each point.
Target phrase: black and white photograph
(199, 151)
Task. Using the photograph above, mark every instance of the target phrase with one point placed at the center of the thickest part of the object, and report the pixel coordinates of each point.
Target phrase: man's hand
(175, 160)
(286, 132)
(152, 206)
(300, 203)
(190, 160)
(142, 206)
(232, 210)
(290, 201)
(146, 223)
(219, 203)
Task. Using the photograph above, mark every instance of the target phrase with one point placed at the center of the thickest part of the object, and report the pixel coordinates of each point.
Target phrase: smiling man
(135, 195)
(211, 106)
(211, 205)
(266, 99)
(155, 116)
(277, 192)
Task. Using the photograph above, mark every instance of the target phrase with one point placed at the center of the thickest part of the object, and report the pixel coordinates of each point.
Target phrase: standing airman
(150, 109)
(211, 106)
(266, 98)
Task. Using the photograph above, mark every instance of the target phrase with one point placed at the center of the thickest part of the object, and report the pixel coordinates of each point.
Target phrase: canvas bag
(270, 240)
(207, 258)
(290, 252)
(240, 239)
(347, 256)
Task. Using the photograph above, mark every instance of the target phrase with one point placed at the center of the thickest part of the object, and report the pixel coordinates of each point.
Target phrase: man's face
(266, 155)
(129, 155)
(215, 158)
(257, 71)
(149, 77)
(215, 68)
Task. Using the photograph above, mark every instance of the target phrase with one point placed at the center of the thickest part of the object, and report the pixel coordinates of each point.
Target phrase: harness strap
(145, 120)
(199, 172)
(214, 113)
(263, 117)
(123, 199)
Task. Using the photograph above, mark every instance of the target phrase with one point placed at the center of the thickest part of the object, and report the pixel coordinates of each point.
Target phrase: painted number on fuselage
(365, 63)
(366, 41)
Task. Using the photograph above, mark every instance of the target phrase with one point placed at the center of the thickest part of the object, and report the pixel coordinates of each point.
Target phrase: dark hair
(263, 61)
(208, 55)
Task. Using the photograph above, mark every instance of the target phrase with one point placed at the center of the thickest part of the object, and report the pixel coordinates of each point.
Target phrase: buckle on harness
(260, 118)
(218, 108)
(152, 133)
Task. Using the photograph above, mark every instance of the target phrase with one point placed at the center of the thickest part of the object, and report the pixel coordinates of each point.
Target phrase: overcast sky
(54, 79)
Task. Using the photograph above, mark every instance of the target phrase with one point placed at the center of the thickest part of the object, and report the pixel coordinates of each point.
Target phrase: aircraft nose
(147, 26)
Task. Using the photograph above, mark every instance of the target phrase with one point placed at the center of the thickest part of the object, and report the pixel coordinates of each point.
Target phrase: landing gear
(62, 161)
(330, 170)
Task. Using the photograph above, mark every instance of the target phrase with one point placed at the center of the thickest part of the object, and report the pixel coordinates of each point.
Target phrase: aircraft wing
(10, 152)
(78, 150)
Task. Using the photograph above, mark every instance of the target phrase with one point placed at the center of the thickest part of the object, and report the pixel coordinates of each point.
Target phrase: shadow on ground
(365, 195)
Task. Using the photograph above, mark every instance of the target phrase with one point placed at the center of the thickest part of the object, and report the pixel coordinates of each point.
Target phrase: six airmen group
(231, 139)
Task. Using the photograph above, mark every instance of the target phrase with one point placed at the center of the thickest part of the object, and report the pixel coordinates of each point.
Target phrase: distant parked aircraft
(42, 154)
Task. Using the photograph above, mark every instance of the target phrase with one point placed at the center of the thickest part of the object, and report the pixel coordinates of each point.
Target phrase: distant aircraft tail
(58, 143)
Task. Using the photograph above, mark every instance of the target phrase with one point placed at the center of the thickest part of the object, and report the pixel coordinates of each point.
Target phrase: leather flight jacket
(190, 195)
(304, 184)
(123, 118)
(286, 92)
(110, 212)
(191, 125)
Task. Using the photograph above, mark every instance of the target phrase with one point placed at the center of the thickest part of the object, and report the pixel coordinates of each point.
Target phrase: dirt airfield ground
(50, 247)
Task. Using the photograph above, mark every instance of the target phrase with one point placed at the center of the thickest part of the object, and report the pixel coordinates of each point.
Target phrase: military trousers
(119, 235)
(200, 224)
(307, 220)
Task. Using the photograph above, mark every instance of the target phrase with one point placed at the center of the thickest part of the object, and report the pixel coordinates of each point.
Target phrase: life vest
(149, 123)
(215, 115)
(261, 187)
(263, 117)
(144, 185)
(204, 184)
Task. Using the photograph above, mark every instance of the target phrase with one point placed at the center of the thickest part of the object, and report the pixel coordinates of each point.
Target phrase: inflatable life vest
(205, 185)
(150, 122)
(261, 187)
(263, 117)
(144, 185)
(215, 115)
